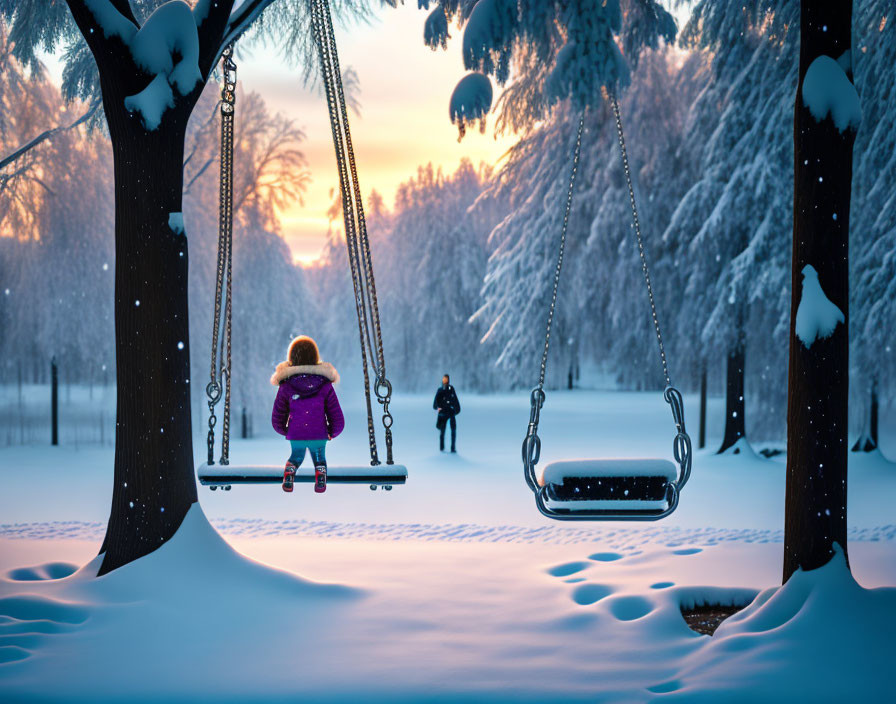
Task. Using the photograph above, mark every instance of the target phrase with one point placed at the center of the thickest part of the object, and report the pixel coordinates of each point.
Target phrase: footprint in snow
(566, 569)
(665, 687)
(662, 585)
(587, 594)
(605, 556)
(630, 608)
(50, 570)
(687, 551)
(27, 620)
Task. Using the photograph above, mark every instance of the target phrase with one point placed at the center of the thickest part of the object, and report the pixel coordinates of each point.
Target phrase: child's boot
(320, 479)
(289, 476)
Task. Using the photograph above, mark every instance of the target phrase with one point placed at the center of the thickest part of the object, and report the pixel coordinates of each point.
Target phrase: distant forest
(464, 260)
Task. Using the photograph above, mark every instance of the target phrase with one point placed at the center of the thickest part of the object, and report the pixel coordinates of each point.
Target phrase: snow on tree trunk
(818, 386)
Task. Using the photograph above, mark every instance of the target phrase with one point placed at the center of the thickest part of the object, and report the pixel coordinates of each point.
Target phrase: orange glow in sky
(404, 121)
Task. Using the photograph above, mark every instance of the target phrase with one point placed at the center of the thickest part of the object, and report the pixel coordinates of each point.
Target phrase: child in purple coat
(306, 409)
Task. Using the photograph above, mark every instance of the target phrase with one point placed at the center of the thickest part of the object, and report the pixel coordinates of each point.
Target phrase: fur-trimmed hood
(285, 370)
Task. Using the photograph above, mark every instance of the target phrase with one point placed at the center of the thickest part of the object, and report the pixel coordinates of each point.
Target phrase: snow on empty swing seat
(227, 474)
(608, 484)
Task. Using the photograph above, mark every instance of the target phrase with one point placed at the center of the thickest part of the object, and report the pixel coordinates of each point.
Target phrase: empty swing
(606, 489)
(223, 474)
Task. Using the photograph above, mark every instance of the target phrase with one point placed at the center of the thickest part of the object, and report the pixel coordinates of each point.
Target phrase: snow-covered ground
(450, 588)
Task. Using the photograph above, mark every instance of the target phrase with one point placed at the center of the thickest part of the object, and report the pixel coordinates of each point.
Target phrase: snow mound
(827, 91)
(200, 561)
(743, 447)
(821, 630)
(816, 317)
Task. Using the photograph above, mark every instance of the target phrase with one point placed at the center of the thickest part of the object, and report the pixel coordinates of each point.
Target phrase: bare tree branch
(44, 136)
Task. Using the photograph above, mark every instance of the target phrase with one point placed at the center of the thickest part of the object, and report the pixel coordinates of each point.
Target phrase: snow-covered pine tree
(544, 53)
(451, 271)
(431, 246)
(615, 316)
(873, 220)
(735, 217)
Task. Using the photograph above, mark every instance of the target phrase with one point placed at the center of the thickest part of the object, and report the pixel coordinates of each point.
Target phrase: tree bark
(867, 441)
(818, 377)
(154, 482)
(735, 425)
(701, 437)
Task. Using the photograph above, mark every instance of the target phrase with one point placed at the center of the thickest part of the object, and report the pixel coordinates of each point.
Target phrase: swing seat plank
(227, 474)
(623, 485)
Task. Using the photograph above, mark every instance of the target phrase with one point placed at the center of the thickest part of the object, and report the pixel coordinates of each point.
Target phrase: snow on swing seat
(608, 484)
(227, 474)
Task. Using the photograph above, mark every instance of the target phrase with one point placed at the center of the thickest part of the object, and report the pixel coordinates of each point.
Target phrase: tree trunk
(701, 437)
(867, 441)
(154, 483)
(735, 426)
(54, 403)
(818, 376)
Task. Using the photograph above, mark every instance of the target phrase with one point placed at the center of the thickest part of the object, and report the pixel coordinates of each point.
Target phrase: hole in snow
(706, 619)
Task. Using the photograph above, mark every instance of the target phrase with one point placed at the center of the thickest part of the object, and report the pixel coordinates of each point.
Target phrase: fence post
(54, 401)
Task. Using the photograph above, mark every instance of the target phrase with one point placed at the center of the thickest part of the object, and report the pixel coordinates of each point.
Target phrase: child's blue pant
(317, 448)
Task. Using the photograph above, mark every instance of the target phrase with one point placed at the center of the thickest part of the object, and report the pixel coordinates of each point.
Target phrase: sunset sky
(404, 121)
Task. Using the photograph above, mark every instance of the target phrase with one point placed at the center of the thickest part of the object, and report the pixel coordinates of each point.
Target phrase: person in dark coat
(448, 408)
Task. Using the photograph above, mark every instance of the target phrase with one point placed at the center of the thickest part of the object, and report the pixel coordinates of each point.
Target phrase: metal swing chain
(532, 443)
(347, 209)
(636, 223)
(357, 242)
(347, 212)
(351, 207)
(682, 443)
(382, 386)
(223, 286)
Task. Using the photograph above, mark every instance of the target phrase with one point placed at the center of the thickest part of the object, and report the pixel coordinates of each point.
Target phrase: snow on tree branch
(111, 21)
(435, 29)
(470, 101)
(547, 51)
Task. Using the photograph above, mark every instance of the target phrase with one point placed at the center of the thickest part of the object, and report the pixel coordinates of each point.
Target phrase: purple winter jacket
(306, 407)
